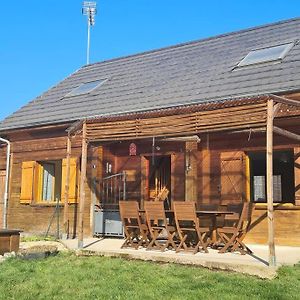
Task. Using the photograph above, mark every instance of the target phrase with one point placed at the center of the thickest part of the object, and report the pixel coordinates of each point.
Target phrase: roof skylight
(85, 88)
(266, 55)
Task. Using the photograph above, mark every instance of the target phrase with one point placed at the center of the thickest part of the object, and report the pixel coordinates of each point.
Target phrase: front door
(232, 188)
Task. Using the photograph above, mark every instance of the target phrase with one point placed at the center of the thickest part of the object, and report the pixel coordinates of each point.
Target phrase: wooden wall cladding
(211, 152)
(284, 220)
(2, 157)
(177, 177)
(34, 219)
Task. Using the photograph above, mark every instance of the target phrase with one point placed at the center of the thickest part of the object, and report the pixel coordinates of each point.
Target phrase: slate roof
(184, 74)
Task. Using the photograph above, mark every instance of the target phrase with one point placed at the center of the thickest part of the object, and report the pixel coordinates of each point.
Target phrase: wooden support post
(269, 173)
(82, 186)
(297, 175)
(67, 188)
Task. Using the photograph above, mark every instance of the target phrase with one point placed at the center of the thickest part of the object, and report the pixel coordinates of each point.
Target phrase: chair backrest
(237, 209)
(129, 211)
(185, 211)
(155, 212)
(246, 215)
(162, 195)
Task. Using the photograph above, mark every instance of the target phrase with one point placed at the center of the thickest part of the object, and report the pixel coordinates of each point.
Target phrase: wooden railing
(113, 189)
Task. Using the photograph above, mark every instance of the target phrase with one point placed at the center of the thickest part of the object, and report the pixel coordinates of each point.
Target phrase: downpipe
(5, 196)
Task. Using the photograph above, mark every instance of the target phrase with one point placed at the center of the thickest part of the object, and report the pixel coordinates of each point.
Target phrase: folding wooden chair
(136, 233)
(233, 236)
(188, 227)
(158, 226)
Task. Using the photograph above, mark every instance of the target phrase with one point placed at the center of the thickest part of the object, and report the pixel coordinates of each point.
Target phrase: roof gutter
(5, 197)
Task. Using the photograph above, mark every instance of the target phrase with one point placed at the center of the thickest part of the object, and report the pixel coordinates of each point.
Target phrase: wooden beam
(82, 186)
(75, 127)
(191, 138)
(67, 188)
(276, 109)
(269, 173)
(286, 133)
(283, 100)
(254, 129)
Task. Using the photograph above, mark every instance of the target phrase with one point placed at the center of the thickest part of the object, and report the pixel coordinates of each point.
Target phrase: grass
(35, 238)
(69, 277)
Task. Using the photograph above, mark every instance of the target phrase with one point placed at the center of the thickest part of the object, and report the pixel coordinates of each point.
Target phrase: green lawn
(69, 277)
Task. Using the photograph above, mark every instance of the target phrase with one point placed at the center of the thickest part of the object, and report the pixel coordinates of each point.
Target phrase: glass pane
(266, 54)
(48, 181)
(85, 88)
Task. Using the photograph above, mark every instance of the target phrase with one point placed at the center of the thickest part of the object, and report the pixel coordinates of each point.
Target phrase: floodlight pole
(88, 43)
(89, 10)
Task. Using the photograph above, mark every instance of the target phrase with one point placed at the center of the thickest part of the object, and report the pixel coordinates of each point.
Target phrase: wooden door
(233, 185)
(2, 187)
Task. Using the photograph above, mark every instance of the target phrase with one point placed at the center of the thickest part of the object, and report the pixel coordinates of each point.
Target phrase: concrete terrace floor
(255, 264)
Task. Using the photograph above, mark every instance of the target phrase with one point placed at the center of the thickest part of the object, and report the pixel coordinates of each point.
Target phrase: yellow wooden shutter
(72, 182)
(27, 189)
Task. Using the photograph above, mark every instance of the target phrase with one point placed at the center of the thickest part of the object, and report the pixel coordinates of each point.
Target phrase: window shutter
(27, 182)
(72, 182)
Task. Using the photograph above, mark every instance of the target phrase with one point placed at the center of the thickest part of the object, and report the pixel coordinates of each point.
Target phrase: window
(85, 88)
(283, 176)
(45, 181)
(263, 55)
(50, 181)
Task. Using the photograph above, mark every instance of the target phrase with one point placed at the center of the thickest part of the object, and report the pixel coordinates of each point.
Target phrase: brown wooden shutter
(232, 177)
(72, 182)
(27, 188)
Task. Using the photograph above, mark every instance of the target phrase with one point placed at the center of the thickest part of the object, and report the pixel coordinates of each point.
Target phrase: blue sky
(42, 42)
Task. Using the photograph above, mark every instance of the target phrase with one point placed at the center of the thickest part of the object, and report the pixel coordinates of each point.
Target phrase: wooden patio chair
(232, 236)
(188, 227)
(136, 232)
(158, 226)
(162, 194)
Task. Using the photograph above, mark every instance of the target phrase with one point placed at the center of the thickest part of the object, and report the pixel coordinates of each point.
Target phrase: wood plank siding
(35, 217)
(213, 170)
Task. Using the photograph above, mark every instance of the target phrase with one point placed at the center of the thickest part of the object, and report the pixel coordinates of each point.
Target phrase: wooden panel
(73, 180)
(191, 171)
(144, 179)
(131, 175)
(132, 166)
(206, 121)
(177, 177)
(35, 218)
(284, 220)
(205, 176)
(27, 181)
(297, 175)
(2, 189)
(232, 177)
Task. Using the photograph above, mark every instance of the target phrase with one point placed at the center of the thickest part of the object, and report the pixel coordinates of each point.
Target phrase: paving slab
(255, 264)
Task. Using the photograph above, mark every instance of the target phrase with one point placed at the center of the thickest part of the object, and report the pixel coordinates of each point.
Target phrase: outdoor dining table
(213, 214)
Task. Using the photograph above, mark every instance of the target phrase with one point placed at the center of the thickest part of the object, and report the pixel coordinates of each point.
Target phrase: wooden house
(206, 120)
